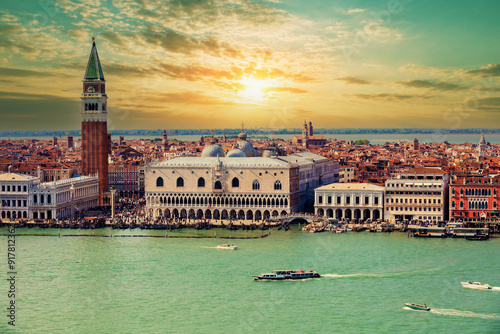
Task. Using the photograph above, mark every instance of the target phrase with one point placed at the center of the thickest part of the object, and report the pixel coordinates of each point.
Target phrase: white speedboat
(476, 285)
(418, 307)
(231, 247)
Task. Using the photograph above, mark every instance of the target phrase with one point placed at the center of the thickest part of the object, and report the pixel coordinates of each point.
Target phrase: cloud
(387, 96)
(355, 10)
(491, 69)
(439, 85)
(20, 73)
(353, 80)
(191, 97)
(193, 72)
(38, 112)
(284, 89)
(176, 42)
(113, 38)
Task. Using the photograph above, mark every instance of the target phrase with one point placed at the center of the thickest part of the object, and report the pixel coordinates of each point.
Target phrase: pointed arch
(201, 182)
(159, 182)
(180, 182)
(235, 183)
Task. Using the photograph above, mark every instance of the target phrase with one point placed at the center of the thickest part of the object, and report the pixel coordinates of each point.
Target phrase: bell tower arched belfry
(94, 122)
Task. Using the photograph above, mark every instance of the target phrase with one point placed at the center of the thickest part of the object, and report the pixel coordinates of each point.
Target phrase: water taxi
(231, 247)
(470, 232)
(278, 275)
(418, 307)
(476, 285)
(431, 232)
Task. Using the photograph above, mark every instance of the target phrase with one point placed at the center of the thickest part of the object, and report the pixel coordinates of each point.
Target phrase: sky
(182, 64)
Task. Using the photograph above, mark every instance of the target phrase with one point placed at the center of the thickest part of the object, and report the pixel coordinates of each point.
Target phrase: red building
(475, 197)
(94, 122)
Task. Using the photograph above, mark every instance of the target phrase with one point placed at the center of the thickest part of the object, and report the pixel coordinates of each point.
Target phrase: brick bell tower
(94, 122)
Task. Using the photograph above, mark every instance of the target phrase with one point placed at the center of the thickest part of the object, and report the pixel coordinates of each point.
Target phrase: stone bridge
(294, 218)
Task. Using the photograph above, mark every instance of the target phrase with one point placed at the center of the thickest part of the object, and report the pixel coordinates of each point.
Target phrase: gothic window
(461, 191)
(159, 182)
(453, 191)
(180, 182)
(86, 107)
(217, 185)
(35, 199)
(201, 182)
(494, 205)
(453, 205)
(49, 199)
(235, 183)
(255, 185)
(277, 185)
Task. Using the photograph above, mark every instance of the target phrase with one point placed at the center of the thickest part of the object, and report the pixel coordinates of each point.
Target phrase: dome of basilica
(212, 150)
(247, 148)
(236, 153)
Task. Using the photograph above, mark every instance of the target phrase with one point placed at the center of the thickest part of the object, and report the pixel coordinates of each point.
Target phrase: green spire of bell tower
(94, 69)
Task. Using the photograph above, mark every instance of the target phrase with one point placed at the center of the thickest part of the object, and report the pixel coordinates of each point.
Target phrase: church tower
(482, 146)
(164, 141)
(94, 122)
(305, 135)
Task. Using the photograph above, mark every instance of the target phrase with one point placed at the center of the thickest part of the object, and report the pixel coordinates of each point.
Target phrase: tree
(362, 142)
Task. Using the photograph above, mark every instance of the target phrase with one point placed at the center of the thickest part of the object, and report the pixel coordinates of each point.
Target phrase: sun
(254, 89)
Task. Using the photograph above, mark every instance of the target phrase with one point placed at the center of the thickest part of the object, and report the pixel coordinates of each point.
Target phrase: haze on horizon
(212, 64)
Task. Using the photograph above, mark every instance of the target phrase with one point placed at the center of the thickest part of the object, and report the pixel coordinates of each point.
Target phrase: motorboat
(418, 307)
(279, 275)
(476, 285)
(231, 247)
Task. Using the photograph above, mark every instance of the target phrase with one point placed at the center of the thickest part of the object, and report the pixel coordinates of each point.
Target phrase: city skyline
(270, 63)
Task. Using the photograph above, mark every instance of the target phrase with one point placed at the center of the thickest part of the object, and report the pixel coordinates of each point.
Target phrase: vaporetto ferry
(279, 275)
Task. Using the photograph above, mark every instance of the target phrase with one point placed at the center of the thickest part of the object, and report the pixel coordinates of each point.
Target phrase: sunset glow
(254, 89)
(372, 65)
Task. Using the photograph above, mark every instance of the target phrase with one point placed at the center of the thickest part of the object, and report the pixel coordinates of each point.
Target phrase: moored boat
(279, 275)
(418, 307)
(231, 247)
(476, 285)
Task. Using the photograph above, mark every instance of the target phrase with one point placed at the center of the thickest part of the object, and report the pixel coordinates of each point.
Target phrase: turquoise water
(174, 285)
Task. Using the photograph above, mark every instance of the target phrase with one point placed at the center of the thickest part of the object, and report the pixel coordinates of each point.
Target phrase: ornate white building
(213, 187)
(350, 201)
(58, 199)
(25, 197)
(14, 194)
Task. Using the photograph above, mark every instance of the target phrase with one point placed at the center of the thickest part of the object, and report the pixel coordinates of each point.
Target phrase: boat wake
(465, 314)
(495, 288)
(349, 275)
